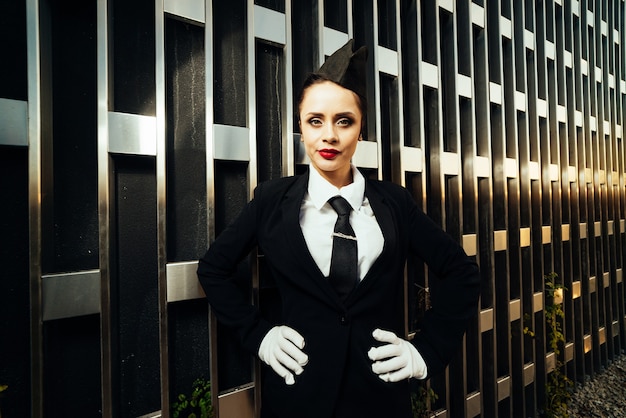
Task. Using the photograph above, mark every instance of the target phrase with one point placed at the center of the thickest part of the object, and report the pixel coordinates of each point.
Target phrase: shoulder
(271, 192)
(277, 186)
(387, 189)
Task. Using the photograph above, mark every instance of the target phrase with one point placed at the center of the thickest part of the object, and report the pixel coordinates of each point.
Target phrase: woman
(338, 263)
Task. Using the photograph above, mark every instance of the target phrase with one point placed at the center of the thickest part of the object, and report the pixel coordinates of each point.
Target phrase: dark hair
(316, 78)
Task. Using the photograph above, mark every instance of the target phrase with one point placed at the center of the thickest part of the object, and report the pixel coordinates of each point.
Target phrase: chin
(328, 165)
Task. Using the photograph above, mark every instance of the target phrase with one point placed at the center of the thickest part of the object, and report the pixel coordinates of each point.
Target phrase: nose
(330, 133)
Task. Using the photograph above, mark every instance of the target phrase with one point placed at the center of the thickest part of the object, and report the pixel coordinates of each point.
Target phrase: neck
(338, 178)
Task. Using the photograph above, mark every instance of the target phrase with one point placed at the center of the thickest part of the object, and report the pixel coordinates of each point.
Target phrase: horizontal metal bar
(500, 240)
(188, 9)
(473, 404)
(504, 387)
(231, 143)
(182, 281)
(69, 295)
(237, 403)
(587, 343)
(529, 373)
(13, 122)
(470, 244)
(270, 25)
(576, 289)
(366, 155)
(515, 310)
(132, 134)
(412, 159)
(486, 320)
(537, 302)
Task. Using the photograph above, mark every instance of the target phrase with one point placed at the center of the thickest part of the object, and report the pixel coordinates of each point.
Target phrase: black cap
(347, 68)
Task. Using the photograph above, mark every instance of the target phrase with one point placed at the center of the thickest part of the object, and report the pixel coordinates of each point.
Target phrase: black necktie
(343, 263)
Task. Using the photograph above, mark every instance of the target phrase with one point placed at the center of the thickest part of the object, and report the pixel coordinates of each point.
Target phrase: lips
(328, 154)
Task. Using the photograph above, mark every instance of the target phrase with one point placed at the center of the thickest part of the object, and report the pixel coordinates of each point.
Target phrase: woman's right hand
(281, 349)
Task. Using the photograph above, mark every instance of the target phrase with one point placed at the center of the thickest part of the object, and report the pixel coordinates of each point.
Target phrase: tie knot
(341, 205)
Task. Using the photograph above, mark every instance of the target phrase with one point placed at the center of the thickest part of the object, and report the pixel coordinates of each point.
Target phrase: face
(330, 124)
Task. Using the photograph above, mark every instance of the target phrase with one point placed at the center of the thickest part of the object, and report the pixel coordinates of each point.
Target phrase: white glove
(397, 360)
(281, 349)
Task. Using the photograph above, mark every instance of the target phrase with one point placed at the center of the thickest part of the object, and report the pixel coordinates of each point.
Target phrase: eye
(345, 122)
(315, 122)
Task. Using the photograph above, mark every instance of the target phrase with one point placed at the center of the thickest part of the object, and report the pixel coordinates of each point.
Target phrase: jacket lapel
(384, 217)
(292, 201)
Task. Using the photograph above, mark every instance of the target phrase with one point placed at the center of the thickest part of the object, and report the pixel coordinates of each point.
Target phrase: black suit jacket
(338, 380)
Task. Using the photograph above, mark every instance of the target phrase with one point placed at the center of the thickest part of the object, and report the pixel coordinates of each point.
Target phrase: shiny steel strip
(350, 19)
(397, 144)
(210, 189)
(253, 164)
(319, 59)
(159, 28)
(104, 209)
(34, 204)
(288, 162)
(377, 117)
(251, 60)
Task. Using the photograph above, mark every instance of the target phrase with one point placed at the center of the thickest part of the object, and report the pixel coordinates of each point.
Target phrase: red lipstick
(328, 153)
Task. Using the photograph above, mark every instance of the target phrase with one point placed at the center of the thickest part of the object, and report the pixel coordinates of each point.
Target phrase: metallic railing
(143, 128)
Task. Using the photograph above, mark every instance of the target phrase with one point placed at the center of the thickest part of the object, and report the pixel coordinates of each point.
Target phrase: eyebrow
(338, 115)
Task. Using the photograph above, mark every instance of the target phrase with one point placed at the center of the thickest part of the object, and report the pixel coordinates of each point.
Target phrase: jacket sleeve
(454, 282)
(216, 272)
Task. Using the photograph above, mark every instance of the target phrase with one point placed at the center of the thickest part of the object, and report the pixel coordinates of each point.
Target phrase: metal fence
(131, 133)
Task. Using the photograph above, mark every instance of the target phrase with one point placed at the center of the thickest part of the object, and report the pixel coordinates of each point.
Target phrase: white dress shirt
(317, 220)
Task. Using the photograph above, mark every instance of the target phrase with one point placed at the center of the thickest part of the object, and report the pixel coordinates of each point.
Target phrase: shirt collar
(320, 190)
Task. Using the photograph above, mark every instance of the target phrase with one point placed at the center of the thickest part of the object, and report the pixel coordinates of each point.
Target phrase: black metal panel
(186, 142)
(73, 175)
(304, 51)
(231, 194)
(448, 92)
(134, 285)
(336, 15)
(428, 35)
(72, 368)
(431, 149)
(387, 28)
(464, 37)
(389, 125)
(133, 40)
(494, 37)
(189, 345)
(418, 296)
(229, 62)
(410, 79)
(468, 176)
(276, 5)
(13, 75)
(270, 109)
(362, 19)
(14, 282)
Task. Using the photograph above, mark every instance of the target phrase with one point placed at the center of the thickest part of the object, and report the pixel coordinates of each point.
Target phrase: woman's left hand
(397, 360)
